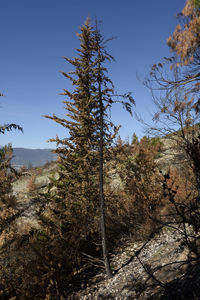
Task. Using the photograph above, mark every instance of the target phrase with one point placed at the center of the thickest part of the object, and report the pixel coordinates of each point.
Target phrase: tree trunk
(101, 191)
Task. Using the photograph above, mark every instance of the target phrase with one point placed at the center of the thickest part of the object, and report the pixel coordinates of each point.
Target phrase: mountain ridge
(32, 157)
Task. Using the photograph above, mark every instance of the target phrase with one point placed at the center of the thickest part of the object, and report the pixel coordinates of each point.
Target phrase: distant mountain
(31, 157)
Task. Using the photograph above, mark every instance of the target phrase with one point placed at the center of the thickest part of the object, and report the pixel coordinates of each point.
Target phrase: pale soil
(41, 174)
(28, 202)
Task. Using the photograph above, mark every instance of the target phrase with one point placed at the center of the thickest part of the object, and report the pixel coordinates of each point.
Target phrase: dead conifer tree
(83, 154)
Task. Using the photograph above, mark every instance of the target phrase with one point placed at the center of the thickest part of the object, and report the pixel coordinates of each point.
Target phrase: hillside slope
(160, 266)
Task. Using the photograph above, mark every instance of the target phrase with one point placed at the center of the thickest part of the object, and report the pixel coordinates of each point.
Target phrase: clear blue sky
(35, 36)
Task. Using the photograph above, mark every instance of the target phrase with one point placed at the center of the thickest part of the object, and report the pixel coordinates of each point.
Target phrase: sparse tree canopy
(176, 117)
(185, 41)
(175, 87)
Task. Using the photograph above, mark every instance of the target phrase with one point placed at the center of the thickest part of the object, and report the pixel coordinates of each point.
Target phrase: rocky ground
(161, 268)
(26, 189)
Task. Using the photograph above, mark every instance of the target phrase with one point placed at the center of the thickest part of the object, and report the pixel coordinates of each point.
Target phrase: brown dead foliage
(52, 262)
